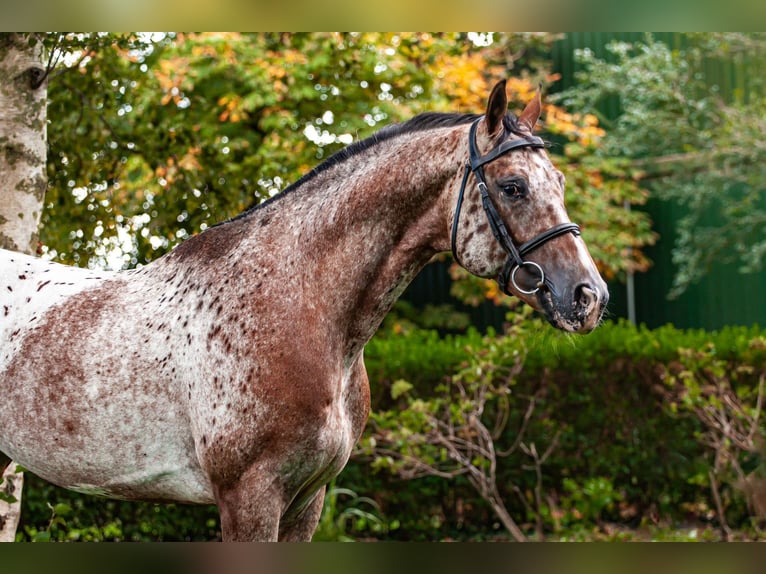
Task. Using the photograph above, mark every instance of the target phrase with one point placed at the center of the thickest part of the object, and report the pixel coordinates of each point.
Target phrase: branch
(51, 63)
(725, 530)
(657, 167)
(524, 423)
(551, 447)
(86, 52)
(758, 405)
(503, 412)
(418, 467)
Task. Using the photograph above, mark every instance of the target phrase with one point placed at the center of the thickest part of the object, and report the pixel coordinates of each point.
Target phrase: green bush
(50, 513)
(602, 394)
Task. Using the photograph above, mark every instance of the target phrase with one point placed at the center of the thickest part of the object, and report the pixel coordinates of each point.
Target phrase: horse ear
(531, 113)
(497, 107)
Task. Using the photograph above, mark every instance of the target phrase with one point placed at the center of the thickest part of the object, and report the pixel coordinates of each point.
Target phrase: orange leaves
(277, 66)
(203, 51)
(189, 161)
(172, 170)
(463, 77)
(473, 290)
(294, 57)
(178, 74)
(595, 178)
(232, 109)
(492, 291)
(582, 128)
(172, 76)
(219, 46)
(520, 89)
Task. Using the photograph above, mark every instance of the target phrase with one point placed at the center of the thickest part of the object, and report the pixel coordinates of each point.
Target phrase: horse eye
(514, 189)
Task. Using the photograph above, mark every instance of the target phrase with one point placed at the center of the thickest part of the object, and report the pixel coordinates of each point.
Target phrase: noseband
(515, 259)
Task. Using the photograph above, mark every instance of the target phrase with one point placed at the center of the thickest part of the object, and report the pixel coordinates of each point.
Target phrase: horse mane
(421, 122)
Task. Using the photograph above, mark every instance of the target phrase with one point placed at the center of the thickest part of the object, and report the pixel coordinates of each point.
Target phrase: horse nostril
(585, 296)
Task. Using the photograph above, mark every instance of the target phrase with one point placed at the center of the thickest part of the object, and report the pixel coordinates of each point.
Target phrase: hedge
(606, 394)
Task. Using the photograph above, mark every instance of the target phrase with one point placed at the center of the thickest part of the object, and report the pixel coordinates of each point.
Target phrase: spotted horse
(230, 371)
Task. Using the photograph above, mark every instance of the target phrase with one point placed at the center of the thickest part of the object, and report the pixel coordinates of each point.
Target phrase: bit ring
(539, 283)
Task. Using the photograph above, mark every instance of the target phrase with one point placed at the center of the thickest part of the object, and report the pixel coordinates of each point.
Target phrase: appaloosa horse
(230, 371)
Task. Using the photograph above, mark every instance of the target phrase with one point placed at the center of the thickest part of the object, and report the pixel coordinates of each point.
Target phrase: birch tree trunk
(23, 180)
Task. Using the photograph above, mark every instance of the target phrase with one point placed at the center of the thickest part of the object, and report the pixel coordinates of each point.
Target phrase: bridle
(515, 259)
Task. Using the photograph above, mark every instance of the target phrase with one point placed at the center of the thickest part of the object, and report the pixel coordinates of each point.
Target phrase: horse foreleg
(301, 527)
(249, 512)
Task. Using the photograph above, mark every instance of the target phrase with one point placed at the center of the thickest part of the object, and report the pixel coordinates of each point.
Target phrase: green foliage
(407, 317)
(154, 137)
(621, 453)
(346, 515)
(444, 435)
(54, 514)
(727, 400)
(601, 187)
(695, 145)
(587, 501)
(421, 357)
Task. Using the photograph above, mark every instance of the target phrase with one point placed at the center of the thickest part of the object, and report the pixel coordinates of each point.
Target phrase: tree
(22, 171)
(22, 140)
(692, 145)
(154, 138)
(194, 128)
(727, 400)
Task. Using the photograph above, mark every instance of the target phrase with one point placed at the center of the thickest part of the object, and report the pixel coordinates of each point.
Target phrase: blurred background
(647, 429)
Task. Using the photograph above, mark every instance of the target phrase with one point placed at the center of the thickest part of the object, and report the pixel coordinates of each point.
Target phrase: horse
(230, 371)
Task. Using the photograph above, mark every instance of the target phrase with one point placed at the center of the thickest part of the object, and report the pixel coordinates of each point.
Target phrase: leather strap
(553, 232)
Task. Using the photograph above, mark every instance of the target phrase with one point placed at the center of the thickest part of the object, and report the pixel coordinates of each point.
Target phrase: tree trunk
(23, 95)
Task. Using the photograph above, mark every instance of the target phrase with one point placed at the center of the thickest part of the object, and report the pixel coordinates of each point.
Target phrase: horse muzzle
(578, 310)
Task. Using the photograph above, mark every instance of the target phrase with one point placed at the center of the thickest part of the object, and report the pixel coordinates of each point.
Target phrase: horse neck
(362, 229)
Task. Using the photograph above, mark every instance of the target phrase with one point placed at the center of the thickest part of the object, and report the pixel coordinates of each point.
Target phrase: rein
(515, 259)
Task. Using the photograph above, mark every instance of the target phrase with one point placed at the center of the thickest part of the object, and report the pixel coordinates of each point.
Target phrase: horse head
(510, 221)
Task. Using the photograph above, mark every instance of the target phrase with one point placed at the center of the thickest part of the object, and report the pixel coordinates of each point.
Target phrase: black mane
(421, 122)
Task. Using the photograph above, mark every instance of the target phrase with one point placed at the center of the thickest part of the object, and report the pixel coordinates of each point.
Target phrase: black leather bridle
(515, 259)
